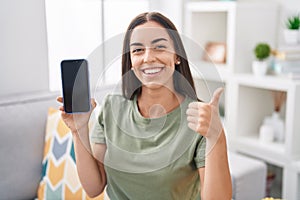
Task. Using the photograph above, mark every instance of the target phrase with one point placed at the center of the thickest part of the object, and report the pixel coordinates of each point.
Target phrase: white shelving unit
(220, 18)
(226, 22)
(251, 101)
(229, 22)
(248, 99)
(292, 177)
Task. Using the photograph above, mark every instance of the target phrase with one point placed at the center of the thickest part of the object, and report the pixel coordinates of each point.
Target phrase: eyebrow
(152, 42)
(159, 39)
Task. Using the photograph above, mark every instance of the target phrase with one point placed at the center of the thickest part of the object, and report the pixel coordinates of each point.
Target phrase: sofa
(23, 123)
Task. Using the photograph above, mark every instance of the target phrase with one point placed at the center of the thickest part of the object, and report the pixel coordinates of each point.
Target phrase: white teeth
(152, 71)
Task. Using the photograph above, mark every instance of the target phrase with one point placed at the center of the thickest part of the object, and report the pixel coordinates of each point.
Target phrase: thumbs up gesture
(204, 117)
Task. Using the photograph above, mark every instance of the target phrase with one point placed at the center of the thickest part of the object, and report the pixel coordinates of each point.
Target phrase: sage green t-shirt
(149, 158)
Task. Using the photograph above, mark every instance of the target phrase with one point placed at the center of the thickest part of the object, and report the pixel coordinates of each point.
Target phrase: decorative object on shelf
(262, 51)
(287, 53)
(286, 62)
(279, 98)
(215, 52)
(291, 33)
(266, 133)
(274, 121)
(270, 180)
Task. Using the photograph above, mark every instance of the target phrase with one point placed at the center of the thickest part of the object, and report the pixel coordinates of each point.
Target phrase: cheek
(170, 64)
(135, 61)
(169, 59)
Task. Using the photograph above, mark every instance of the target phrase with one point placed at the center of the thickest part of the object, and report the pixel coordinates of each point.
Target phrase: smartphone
(75, 86)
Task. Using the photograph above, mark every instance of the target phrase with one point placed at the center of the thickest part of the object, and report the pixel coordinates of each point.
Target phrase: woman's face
(152, 55)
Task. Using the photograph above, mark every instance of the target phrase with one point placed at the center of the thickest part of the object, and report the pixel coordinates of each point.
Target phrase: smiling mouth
(152, 71)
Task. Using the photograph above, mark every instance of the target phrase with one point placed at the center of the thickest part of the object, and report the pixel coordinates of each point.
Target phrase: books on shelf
(288, 75)
(287, 69)
(286, 62)
(287, 66)
(281, 54)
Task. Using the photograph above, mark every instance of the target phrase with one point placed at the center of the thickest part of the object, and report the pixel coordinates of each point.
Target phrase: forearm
(91, 174)
(217, 183)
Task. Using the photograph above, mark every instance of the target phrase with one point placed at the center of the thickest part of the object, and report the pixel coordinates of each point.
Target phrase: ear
(177, 60)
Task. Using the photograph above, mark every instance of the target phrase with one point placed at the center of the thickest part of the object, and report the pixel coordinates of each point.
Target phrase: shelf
(210, 22)
(219, 21)
(269, 82)
(273, 153)
(209, 71)
(248, 99)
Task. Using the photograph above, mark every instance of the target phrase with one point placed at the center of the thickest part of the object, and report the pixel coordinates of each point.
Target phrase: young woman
(156, 140)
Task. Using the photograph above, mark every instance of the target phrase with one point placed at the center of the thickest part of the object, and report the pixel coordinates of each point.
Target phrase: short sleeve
(97, 134)
(199, 157)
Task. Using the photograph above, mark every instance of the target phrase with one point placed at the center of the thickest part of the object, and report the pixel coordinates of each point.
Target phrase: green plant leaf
(262, 51)
(293, 22)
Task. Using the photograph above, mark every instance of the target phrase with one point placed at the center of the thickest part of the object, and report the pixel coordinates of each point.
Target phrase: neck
(154, 103)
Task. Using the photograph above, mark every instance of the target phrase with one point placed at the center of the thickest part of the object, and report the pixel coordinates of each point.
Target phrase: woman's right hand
(76, 121)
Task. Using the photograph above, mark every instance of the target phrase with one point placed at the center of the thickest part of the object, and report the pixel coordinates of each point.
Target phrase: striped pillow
(59, 176)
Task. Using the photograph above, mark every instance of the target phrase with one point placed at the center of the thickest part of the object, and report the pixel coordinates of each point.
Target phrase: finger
(192, 112)
(61, 108)
(193, 126)
(195, 105)
(192, 119)
(216, 96)
(59, 99)
(93, 103)
(201, 107)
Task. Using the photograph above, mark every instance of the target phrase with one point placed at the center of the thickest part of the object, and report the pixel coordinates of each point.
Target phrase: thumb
(93, 103)
(216, 96)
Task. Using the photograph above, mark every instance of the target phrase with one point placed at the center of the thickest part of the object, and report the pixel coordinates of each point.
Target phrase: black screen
(75, 85)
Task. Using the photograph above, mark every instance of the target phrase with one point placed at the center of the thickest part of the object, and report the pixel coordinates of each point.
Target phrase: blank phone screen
(75, 85)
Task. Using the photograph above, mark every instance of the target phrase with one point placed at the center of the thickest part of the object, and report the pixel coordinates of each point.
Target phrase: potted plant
(291, 33)
(262, 51)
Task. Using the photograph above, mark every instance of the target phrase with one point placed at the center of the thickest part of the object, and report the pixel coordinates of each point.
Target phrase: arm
(90, 169)
(215, 177)
(201, 172)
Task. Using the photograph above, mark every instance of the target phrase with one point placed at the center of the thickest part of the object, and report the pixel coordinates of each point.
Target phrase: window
(117, 16)
(77, 28)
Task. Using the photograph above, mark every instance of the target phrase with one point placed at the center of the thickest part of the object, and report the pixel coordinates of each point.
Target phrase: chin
(158, 84)
(153, 85)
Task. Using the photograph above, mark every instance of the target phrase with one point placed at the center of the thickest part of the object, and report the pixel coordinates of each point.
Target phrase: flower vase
(291, 36)
(259, 68)
(278, 126)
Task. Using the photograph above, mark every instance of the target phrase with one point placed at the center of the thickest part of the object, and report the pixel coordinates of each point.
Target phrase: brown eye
(137, 50)
(160, 47)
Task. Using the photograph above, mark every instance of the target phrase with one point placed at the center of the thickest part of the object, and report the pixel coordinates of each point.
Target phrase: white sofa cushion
(248, 177)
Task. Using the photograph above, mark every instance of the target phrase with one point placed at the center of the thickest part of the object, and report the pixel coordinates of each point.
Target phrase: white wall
(291, 6)
(171, 9)
(23, 41)
(23, 47)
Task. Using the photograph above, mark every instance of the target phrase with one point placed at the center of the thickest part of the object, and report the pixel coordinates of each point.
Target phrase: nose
(149, 55)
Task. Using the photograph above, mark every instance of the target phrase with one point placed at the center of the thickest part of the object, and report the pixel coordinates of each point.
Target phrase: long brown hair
(183, 81)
